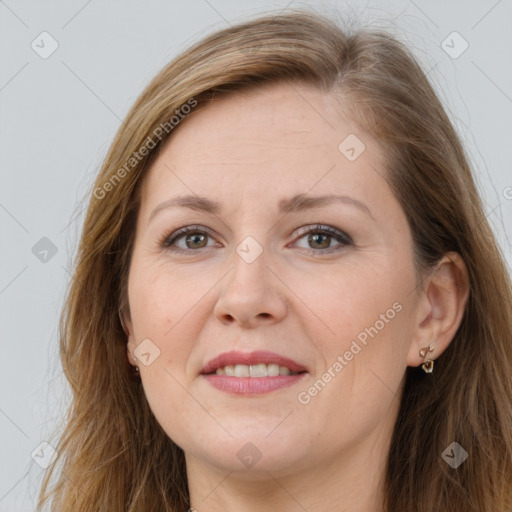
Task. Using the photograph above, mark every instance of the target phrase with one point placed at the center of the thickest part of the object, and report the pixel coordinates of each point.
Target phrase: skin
(248, 151)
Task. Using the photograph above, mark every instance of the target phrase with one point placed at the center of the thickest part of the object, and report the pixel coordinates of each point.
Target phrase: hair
(113, 454)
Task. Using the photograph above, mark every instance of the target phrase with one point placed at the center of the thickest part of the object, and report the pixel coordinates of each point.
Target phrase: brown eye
(322, 239)
(196, 240)
(319, 241)
(189, 238)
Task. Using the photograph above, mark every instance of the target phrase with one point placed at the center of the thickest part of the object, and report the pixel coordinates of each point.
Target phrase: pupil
(196, 238)
(314, 239)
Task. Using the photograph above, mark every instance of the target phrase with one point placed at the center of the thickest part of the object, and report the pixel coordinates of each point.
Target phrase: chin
(252, 456)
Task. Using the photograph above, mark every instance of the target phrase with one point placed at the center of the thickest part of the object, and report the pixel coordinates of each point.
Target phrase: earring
(428, 365)
(136, 371)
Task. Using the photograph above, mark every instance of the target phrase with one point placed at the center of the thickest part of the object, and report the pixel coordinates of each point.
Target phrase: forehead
(263, 140)
(301, 116)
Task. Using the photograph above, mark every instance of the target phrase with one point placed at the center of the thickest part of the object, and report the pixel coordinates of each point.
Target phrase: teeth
(254, 370)
(257, 370)
(241, 370)
(273, 370)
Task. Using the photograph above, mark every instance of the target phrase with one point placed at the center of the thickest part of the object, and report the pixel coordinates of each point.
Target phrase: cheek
(352, 298)
(162, 310)
(368, 326)
(160, 297)
(363, 361)
(159, 311)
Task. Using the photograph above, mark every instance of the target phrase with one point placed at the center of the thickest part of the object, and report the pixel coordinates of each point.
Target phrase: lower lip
(252, 385)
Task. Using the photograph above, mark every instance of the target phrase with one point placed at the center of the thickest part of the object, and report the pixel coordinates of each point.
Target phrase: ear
(126, 322)
(440, 308)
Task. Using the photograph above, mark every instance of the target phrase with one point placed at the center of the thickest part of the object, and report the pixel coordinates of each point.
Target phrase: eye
(320, 239)
(187, 238)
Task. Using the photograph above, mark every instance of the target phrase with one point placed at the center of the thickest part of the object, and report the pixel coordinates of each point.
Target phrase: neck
(348, 482)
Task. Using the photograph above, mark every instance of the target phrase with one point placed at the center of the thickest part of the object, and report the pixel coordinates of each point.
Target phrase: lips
(253, 358)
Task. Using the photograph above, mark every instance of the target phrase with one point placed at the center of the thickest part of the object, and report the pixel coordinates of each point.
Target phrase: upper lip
(248, 358)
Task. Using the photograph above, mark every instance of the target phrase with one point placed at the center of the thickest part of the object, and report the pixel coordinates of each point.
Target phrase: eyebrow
(298, 203)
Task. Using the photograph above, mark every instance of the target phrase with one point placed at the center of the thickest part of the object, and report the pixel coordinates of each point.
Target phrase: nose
(251, 294)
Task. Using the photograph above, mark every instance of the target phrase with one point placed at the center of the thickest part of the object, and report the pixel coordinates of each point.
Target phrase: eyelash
(167, 241)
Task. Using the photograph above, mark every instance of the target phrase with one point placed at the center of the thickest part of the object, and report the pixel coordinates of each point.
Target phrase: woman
(287, 295)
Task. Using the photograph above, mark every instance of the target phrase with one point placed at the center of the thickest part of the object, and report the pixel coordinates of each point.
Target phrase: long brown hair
(114, 456)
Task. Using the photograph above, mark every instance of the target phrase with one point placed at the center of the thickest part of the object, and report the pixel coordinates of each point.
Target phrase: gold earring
(428, 365)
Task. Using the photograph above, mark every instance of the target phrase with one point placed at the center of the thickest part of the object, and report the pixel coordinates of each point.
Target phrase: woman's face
(248, 176)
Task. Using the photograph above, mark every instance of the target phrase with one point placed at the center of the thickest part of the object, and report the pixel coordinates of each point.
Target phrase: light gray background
(58, 116)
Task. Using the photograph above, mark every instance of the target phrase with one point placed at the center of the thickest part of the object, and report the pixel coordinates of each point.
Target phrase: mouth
(252, 373)
(260, 363)
(258, 370)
